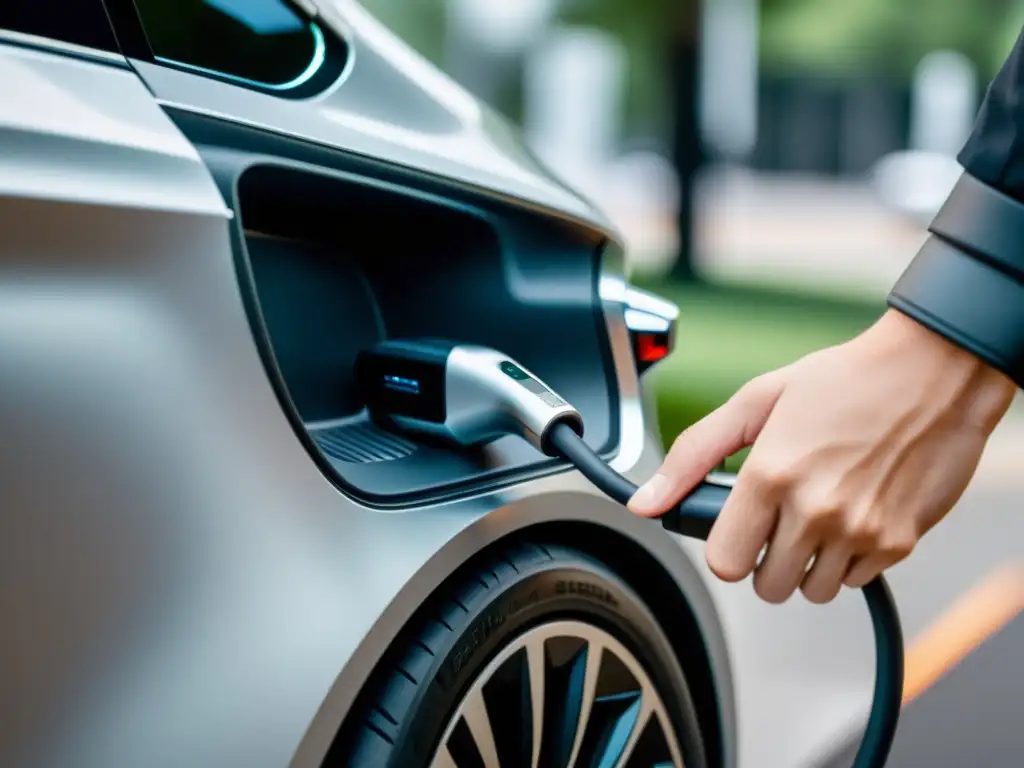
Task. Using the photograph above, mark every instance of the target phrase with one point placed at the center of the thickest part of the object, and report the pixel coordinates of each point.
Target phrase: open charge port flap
(333, 264)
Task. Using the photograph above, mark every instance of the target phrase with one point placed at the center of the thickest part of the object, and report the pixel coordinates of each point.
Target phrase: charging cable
(468, 395)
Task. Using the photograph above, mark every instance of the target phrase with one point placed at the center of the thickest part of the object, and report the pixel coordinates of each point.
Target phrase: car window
(264, 43)
(81, 22)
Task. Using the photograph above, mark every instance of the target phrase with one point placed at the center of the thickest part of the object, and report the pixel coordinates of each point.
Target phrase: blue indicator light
(402, 384)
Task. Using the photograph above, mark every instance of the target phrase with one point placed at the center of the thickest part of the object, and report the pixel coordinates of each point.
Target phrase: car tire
(457, 688)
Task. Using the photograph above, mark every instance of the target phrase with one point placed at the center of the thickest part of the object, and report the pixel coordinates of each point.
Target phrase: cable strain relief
(572, 420)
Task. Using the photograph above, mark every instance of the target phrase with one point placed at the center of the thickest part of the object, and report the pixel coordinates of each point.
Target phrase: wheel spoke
(510, 710)
(620, 707)
(593, 668)
(443, 759)
(475, 714)
(673, 747)
(651, 748)
(565, 665)
(535, 661)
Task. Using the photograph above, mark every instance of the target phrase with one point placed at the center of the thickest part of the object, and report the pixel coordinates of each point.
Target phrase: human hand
(858, 450)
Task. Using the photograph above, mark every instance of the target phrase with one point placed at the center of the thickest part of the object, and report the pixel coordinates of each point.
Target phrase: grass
(729, 334)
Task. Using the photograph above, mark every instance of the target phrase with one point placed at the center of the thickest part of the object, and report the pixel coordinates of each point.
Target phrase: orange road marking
(973, 618)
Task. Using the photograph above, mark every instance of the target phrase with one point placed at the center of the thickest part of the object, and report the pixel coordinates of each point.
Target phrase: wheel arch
(661, 574)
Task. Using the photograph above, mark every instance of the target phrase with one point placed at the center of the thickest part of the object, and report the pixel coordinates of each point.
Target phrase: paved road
(972, 717)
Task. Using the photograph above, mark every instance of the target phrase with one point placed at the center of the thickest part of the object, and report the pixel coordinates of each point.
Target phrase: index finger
(702, 447)
(743, 528)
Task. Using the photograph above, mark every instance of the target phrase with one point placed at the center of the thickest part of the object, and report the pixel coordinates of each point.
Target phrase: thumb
(706, 444)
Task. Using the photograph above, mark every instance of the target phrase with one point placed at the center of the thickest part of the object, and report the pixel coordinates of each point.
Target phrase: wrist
(980, 392)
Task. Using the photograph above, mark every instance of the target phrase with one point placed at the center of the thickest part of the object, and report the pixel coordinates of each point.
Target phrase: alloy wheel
(562, 695)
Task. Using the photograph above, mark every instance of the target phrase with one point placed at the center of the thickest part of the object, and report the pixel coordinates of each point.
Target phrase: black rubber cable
(695, 515)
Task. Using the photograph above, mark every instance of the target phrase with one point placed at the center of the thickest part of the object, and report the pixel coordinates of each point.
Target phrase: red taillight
(651, 347)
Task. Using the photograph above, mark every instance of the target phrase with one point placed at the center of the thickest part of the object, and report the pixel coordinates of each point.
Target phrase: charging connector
(469, 395)
(461, 394)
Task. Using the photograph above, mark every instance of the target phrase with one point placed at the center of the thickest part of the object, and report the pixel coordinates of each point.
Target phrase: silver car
(209, 555)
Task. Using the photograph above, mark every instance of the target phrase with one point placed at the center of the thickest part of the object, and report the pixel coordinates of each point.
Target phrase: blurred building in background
(708, 127)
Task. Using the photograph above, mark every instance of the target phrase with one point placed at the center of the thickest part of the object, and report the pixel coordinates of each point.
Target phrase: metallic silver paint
(647, 312)
(50, 45)
(78, 132)
(763, 654)
(482, 403)
(180, 584)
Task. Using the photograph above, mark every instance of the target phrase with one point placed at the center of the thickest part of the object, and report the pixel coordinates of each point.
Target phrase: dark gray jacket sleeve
(967, 281)
(994, 154)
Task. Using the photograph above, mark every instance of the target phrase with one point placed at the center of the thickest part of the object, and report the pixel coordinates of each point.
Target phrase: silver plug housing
(461, 394)
(489, 396)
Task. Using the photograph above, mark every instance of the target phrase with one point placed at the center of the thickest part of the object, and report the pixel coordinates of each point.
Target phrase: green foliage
(885, 36)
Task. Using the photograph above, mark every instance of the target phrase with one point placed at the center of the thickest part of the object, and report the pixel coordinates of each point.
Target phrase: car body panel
(182, 585)
(79, 131)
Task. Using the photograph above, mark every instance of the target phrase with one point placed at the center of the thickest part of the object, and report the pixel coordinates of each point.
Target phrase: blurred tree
(663, 41)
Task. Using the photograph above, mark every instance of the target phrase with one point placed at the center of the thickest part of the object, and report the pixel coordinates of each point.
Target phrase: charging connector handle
(696, 514)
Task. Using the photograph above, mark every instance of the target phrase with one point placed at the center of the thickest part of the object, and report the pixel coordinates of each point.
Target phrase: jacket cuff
(987, 223)
(972, 302)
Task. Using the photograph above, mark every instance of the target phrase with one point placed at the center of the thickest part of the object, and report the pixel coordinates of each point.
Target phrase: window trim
(338, 54)
(318, 60)
(52, 45)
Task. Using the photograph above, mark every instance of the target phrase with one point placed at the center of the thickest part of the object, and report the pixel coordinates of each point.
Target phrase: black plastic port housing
(337, 255)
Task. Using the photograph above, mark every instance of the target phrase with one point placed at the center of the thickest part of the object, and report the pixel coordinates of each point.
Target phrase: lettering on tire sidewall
(581, 587)
(558, 585)
(492, 620)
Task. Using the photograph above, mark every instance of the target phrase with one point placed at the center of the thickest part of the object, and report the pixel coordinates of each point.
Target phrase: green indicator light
(513, 371)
